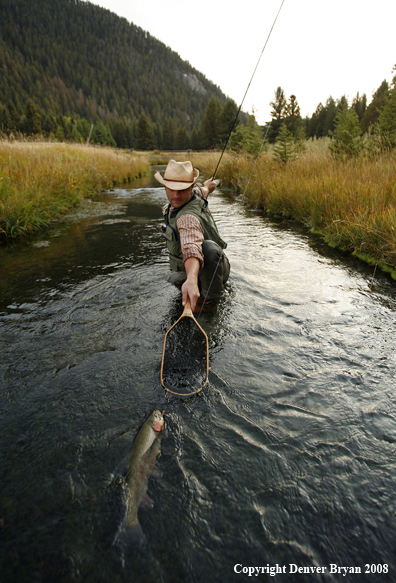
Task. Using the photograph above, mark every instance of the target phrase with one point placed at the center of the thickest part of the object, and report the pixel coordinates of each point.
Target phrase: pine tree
(347, 141)
(277, 113)
(227, 120)
(284, 149)
(210, 129)
(292, 115)
(182, 139)
(195, 140)
(4, 120)
(331, 112)
(317, 122)
(372, 111)
(169, 134)
(359, 104)
(13, 116)
(32, 123)
(387, 120)
(144, 133)
(300, 140)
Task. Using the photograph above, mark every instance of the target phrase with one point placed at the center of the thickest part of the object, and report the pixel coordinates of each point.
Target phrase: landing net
(185, 357)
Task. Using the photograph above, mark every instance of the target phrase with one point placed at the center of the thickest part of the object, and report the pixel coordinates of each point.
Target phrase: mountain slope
(76, 59)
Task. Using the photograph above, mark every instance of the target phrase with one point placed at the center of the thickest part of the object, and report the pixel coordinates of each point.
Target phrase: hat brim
(173, 184)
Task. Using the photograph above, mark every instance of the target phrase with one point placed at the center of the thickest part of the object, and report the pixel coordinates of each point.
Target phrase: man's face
(178, 198)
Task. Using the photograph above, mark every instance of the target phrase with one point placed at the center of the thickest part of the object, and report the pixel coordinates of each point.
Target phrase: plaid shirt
(191, 232)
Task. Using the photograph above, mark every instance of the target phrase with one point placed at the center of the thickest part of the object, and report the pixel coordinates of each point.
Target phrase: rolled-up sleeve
(191, 237)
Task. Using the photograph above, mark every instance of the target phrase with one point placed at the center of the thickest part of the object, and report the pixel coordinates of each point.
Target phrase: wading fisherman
(197, 260)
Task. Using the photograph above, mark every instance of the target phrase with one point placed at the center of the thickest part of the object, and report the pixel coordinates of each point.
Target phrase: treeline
(324, 121)
(73, 71)
(354, 128)
(141, 134)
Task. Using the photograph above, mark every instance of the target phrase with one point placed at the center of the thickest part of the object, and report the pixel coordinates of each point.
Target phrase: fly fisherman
(197, 260)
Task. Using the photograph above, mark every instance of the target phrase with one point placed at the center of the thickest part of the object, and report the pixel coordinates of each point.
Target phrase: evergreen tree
(102, 135)
(182, 139)
(237, 139)
(372, 111)
(292, 115)
(32, 121)
(118, 131)
(144, 134)
(130, 135)
(49, 125)
(13, 116)
(195, 140)
(4, 120)
(83, 127)
(284, 149)
(278, 113)
(210, 129)
(317, 122)
(169, 134)
(347, 141)
(359, 104)
(248, 138)
(158, 136)
(342, 104)
(300, 139)
(228, 120)
(331, 112)
(387, 120)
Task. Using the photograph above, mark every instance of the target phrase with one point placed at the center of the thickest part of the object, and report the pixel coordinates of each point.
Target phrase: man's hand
(190, 289)
(209, 185)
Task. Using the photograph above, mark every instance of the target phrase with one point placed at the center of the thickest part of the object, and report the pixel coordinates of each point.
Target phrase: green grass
(352, 204)
(40, 182)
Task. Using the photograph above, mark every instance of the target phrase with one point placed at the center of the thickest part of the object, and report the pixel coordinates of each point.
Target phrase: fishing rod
(232, 128)
(247, 89)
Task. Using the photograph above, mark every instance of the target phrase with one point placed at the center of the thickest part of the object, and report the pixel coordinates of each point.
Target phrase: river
(285, 460)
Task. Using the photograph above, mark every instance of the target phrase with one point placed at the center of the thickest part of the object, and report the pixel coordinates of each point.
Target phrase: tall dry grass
(41, 181)
(352, 204)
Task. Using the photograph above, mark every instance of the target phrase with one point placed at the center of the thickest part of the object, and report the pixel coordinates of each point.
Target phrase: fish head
(157, 421)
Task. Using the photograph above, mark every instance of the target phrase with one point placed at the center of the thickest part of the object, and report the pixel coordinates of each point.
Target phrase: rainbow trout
(140, 465)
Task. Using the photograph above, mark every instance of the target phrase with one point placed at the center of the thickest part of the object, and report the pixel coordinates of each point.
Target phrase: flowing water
(285, 460)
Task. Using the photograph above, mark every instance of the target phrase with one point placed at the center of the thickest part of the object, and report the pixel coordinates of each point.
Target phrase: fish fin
(146, 502)
(129, 535)
(157, 473)
(121, 469)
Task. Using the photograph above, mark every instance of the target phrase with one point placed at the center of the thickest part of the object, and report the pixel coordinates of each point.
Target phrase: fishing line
(247, 89)
(231, 130)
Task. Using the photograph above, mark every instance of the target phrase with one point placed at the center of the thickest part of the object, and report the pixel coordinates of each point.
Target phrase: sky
(317, 48)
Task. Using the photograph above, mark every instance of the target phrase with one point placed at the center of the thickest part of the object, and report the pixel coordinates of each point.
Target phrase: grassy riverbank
(351, 204)
(39, 182)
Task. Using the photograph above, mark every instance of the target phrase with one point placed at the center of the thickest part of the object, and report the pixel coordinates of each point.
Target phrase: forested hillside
(70, 70)
(65, 64)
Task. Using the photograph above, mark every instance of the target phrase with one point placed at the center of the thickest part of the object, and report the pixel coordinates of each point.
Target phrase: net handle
(187, 313)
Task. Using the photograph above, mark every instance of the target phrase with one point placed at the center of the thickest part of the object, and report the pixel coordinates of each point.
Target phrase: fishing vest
(198, 207)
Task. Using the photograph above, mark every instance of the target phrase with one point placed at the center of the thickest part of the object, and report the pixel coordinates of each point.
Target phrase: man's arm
(192, 265)
(190, 287)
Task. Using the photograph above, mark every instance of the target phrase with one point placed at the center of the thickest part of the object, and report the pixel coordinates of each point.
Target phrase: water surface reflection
(288, 457)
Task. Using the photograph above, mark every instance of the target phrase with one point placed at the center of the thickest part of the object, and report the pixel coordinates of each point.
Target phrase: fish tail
(130, 535)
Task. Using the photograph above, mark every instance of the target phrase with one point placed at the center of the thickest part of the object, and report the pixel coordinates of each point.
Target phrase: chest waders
(198, 207)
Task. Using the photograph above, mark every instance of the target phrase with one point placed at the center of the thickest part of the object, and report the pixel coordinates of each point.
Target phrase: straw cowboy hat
(178, 175)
